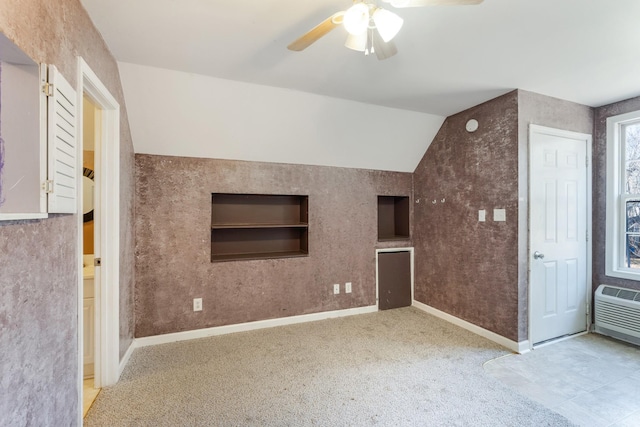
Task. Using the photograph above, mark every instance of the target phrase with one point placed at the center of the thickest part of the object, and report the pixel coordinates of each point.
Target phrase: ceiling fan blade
(383, 50)
(420, 3)
(317, 32)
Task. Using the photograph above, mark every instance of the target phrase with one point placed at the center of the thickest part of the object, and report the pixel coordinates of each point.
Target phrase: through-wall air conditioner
(617, 313)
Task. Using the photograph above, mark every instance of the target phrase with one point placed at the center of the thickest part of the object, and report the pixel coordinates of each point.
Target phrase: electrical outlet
(197, 304)
(347, 288)
(336, 289)
(482, 215)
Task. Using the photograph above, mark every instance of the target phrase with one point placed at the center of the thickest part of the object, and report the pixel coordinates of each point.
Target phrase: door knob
(537, 255)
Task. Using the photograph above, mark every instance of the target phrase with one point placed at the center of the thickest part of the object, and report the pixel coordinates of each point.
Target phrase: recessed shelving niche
(393, 218)
(257, 226)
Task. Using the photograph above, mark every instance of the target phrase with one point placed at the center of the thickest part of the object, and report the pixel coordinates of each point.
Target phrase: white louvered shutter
(62, 145)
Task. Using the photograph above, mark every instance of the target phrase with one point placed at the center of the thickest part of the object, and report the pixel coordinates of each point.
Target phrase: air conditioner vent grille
(612, 292)
(628, 295)
(620, 316)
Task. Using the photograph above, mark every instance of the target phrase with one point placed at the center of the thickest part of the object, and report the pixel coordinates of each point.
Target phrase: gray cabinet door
(394, 280)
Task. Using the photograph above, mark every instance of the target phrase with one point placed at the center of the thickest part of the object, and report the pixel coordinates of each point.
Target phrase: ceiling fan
(371, 28)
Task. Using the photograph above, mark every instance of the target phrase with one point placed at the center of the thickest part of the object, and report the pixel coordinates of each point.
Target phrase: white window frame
(616, 198)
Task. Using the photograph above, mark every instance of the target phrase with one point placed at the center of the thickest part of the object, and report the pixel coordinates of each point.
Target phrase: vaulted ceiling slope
(183, 114)
(450, 58)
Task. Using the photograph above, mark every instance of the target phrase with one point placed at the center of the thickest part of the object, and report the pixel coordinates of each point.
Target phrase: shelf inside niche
(393, 218)
(227, 226)
(258, 226)
(260, 255)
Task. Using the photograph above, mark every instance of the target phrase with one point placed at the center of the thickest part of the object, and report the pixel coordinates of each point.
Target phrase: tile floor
(591, 379)
(89, 394)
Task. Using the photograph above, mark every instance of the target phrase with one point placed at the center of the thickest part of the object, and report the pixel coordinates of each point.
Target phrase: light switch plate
(499, 215)
(336, 289)
(482, 215)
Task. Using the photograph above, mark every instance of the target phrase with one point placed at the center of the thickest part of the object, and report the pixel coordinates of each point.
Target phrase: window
(623, 196)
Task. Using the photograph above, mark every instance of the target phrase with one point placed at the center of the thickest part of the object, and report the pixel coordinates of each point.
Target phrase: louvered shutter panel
(62, 145)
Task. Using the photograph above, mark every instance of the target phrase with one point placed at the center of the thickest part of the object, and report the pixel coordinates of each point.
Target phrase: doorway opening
(91, 122)
(98, 332)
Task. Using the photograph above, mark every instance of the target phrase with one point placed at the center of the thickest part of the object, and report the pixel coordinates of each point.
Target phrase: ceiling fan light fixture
(356, 19)
(374, 27)
(387, 23)
(357, 42)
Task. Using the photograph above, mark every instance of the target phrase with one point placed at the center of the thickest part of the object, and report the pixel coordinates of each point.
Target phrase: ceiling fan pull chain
(373, 49)
(366, 49)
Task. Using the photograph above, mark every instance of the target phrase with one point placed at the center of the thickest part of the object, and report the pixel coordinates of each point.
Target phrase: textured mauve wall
(600, 191)
(540, 110)
(464, 267)
(38, 288)
(38, 312)
(173, 242)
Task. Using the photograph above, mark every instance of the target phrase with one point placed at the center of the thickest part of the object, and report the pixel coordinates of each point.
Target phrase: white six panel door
(558, 206)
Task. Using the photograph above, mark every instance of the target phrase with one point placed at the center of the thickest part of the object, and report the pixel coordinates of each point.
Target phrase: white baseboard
(126, 357)
(518, 347)
(249, 326)
(524, 347)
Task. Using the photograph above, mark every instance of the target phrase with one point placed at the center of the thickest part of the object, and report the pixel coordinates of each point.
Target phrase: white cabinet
(88, 316)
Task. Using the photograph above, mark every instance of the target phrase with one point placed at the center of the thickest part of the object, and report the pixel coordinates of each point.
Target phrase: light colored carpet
(391, 368)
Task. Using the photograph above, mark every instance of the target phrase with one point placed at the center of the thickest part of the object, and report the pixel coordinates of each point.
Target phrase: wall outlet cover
(347, 288)
(336, 289)
(499, 215)
(482, 215)
(197, 304)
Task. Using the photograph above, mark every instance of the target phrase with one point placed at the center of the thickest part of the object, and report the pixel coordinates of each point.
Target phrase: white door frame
(536, 129)
(407, 249)
(107, 297)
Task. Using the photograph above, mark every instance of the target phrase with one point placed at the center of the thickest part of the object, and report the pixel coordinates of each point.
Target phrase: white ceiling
(450, 57)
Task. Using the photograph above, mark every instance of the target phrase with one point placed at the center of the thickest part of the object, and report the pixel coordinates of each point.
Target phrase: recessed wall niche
(393, 218)
(258, 226)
